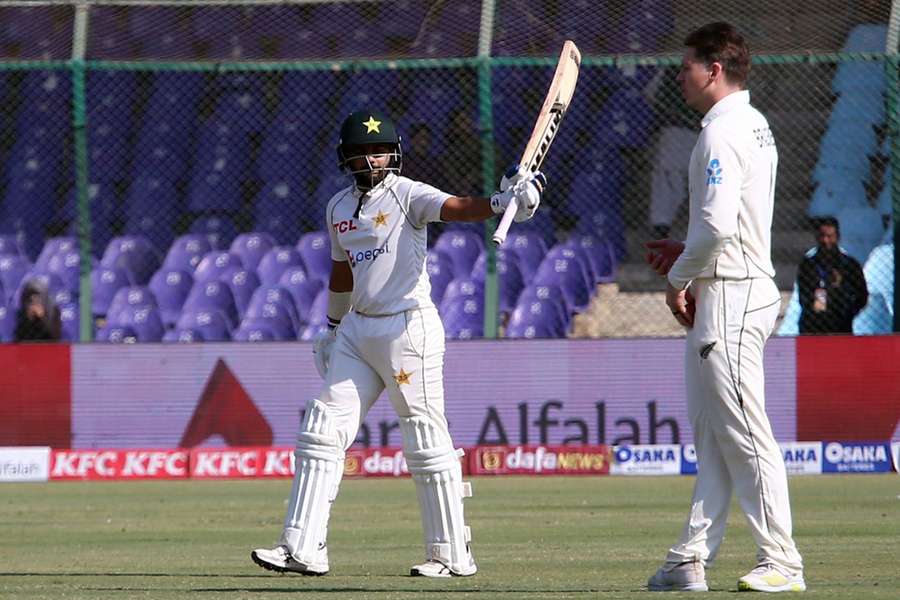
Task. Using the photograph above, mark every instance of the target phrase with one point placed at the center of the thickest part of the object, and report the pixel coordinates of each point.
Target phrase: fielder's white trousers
(736, 450)
(403, 353)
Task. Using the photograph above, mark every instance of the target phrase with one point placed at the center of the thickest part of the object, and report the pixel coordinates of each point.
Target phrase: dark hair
(829, 221)
(720, 42)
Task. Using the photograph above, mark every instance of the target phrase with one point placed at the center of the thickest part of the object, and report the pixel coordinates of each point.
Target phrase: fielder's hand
(682, 305)
(662, 254)
(526, 189)
(322, 346)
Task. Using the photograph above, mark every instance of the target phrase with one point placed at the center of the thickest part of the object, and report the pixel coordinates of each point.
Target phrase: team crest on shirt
(380, 219)
(714, 172)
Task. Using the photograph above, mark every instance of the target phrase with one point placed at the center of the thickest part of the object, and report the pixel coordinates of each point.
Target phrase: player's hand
(682, 305)
(322, 346)
(662, 254)
(525, 189)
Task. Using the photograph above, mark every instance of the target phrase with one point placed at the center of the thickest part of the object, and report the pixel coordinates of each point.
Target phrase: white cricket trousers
(403, 353)
(736, 450)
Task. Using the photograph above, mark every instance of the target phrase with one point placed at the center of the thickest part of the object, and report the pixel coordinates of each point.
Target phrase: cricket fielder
(720, 287)
(385, 333)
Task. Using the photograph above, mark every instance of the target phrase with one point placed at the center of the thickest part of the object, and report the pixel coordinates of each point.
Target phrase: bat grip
(505, 221)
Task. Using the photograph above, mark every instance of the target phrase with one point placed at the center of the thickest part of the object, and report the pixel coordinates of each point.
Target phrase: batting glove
(322, 347)
(526, 189)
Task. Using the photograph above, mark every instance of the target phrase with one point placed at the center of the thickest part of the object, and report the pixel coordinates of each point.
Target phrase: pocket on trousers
(708, 315)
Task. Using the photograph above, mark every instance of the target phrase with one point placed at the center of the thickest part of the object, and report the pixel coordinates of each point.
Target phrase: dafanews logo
(646, 459)
(541, 460)
(367, 255)
(857, 457)
(802, 458)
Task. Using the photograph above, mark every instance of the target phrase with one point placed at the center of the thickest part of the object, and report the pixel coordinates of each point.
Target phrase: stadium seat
(145, 321)
(135, 254)
(187, 251)
(509, 277)
(279, 209)
(105, 282)
(242, 283)
(251, 247)
(51, 281)
(463, 317)
(318, 315)
(276, 261)
(529, 248)
(210, 296)
(255, 332)
(117, 334)
(535, 318)
(315, 249)
(274, 294)
(563, 267)
(302, 289)
(53, 246)
(183, 335)
(211, 325)
(462, 247)
(440, 273)
(216, 264)
(128, 299)
(12, 269)
(70, 320)
(7, 322)
(275, 316)
(170, 287)
(461, 287)
(11, 245)
(599, 252)
(551, 293)
(68, 266)
(219, 230)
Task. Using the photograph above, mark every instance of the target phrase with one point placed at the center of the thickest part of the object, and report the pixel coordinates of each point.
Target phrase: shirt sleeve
(425, 203)
(718, 207)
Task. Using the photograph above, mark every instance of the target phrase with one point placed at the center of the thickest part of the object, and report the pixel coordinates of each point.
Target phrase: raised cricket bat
(554, 108)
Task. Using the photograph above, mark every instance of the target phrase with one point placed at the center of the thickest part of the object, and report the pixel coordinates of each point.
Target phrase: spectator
(831, 284)
(38, 318)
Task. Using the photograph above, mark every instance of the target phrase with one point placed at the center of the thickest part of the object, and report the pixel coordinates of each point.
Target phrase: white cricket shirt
(732, 196)
(386, 244)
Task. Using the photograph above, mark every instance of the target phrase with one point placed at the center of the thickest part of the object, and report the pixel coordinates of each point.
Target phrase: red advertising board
(848, 388)
(118, 464)
(35, 395)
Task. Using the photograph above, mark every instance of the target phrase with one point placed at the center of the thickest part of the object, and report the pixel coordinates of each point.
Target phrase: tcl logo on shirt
(344, 226)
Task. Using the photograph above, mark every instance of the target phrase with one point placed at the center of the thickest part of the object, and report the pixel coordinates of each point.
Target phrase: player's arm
(526, 190)
(340, 284)
(718, 215)
(466, 208)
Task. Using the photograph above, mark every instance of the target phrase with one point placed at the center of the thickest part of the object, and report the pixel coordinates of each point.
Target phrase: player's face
(694, 78)
(368, 163)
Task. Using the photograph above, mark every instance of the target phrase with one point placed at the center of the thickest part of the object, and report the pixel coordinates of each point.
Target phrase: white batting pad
(435, 468)
(319, 466)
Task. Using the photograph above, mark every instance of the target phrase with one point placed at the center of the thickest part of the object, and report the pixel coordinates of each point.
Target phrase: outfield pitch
(552, 537)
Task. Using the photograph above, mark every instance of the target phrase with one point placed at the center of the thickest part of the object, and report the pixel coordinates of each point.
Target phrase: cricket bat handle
(505, 221)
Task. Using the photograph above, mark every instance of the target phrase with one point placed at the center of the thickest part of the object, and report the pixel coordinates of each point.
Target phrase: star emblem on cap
(372, 125)
(380, 219)
(402, 377)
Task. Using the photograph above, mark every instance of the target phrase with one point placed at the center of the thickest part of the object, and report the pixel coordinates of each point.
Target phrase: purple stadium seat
(171, 287)
(599, 252)
(463, 317)
(105, 282)
(278, 208)
(145, 321)
(216, 264)
(10, 244)
(462, 287)
(257, 331)
(274, 294)
(212, 295)
(251, 247)
(12, 271)
(187, 251)
(440, 274)
(564, 267)
(508, 274)
(7, 322)
(51, 281)
(71, 322)
(535, 319)
(129, 299)
(134, 254)
(276, 261)
(212, 325)
(462, 247)
(627, 121)
(550, 293)
(183, 335)
(315, 249)
(275, 315)
(596, 198)
(67, 265)
(302, 289)
(65, 297)
(318, 312)
(53, 246)
(242, 284)
(117, 334)
(312, 331)
(220, 231)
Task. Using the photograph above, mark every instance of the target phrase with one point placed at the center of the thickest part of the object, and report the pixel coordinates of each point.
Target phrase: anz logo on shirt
(713, 172)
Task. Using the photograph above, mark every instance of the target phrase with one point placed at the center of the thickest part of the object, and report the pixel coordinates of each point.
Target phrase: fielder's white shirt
(732, 196)
(386, 244)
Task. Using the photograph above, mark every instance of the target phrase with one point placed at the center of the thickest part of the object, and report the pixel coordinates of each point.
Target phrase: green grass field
(552, 537)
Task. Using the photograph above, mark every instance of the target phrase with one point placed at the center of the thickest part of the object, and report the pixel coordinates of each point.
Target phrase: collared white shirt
(386, 243)
(732, 195)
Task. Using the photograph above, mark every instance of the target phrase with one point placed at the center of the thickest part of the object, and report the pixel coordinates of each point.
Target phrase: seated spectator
(38, 318)
(831, 284)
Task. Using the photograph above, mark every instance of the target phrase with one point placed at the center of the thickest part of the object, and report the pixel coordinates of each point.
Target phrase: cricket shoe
(681, 577)
(279, 559)
(434, 568)
(769, 578)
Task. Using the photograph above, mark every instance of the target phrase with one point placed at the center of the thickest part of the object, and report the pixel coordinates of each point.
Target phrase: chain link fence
(166, 167)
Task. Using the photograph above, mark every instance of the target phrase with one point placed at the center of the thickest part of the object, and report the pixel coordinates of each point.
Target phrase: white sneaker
(434, 568)
(769, 578)
(279, 559)
(683, 577)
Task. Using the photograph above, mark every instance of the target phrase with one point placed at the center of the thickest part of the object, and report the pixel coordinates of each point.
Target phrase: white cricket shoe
(279, 559)
(434, 568)
(681, 577)
(769, 578)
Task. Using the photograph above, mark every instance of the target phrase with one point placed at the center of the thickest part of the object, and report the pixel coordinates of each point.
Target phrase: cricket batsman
(720, 287)
(385, 333)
